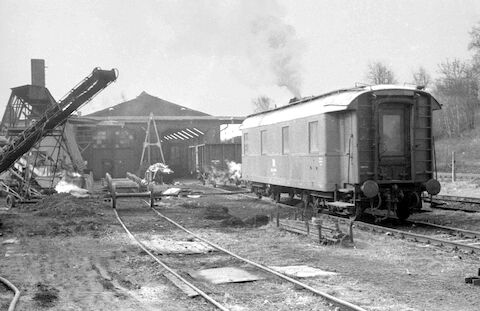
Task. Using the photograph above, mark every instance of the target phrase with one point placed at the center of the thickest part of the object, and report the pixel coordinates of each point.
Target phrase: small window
(245, 143)
(313, 136)
(263, 142)
(285, 140)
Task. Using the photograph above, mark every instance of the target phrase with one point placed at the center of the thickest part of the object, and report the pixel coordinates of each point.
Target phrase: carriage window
(285, 141)
(263, 142)
(393, 142)
(245, 143)
(313, 137)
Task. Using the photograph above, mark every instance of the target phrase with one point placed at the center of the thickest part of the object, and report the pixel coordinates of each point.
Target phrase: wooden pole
(278, 215)
(453, 166)
(351, 230)
(319, 226)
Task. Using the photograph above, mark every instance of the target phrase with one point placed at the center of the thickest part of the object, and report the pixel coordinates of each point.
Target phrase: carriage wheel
(402, 212)
(257, 192)
(307, 205)
(410, 202)
(11, 202)
(276, 196)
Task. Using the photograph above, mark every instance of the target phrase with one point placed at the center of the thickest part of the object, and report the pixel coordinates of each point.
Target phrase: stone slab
(177, 247)
(226, 275)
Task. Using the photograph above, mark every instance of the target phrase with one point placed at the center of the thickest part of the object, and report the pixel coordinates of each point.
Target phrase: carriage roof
(339, 100)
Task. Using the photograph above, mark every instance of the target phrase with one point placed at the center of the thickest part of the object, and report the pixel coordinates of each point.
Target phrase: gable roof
(143, 105)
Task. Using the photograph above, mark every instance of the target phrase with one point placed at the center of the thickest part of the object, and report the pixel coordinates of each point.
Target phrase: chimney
(292, 100)
(38, 72)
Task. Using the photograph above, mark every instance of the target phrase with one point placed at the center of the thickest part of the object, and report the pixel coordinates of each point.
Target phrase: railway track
(178, 278)
(433, 234)
(169, 269)
(437, 235)
(417, 231)
(441, 202)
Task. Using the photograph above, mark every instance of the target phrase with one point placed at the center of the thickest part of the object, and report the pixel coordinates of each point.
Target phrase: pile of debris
(158, 173)
(64, 205)
(217, 174)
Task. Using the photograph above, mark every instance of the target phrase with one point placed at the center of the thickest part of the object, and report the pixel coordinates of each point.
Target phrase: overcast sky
(216, 56)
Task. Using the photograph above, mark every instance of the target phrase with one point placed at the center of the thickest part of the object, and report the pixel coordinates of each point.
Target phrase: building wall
(116, 147)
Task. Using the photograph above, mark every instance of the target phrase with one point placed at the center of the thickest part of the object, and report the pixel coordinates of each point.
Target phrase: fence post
(278, 215)
(351, 230)
(318, 223)
(453, 167)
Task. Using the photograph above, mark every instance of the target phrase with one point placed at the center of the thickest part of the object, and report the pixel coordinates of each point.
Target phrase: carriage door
(394, 160)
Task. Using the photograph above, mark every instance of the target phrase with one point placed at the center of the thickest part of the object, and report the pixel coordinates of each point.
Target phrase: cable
(15, 290)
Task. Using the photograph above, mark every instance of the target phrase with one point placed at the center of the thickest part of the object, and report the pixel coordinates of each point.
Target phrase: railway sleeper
(324, 234)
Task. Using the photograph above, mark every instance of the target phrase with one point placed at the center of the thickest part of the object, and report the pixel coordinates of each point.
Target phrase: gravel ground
(71, 254)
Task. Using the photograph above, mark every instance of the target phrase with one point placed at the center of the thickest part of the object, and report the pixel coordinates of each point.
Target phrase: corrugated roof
(330, 102)
(143, 105)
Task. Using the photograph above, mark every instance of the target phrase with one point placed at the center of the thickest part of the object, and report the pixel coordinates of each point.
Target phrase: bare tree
(379, 73)
(458, 90)
(421, 77)
(474, 46)
(262, 103)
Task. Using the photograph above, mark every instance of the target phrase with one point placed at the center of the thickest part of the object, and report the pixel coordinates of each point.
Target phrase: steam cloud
(251, 36)
(282, 47)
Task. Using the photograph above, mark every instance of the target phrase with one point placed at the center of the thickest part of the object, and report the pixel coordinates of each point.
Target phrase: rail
(196, 289)
(472, 247)
(455, 198)
(420, 237)
(337, 301)
(111, 187)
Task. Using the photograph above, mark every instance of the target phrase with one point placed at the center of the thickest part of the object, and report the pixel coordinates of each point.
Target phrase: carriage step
(345, 190)
(340, 207)
(340, 204)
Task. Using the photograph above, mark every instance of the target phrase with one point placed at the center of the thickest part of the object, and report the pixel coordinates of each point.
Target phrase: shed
(112, 140)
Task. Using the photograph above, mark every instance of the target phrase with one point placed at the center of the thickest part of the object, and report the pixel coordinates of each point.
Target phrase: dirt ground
(71, 254)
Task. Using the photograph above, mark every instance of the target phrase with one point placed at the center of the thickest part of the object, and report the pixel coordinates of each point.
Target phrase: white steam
(251, 37)
(278, 41)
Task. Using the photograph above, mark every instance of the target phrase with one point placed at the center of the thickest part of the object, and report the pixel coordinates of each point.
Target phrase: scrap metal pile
(16, 178)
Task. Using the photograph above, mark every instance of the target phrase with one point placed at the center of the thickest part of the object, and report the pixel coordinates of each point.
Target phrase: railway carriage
(365, 149)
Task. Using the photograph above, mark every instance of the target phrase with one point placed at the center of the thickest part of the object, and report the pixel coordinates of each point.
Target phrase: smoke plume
(278, 40)
(251, 37)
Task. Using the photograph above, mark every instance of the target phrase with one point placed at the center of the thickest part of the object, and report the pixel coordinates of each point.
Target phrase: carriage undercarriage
(390, 201)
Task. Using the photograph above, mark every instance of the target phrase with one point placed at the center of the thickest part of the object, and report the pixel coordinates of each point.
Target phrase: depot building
(145, 130)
